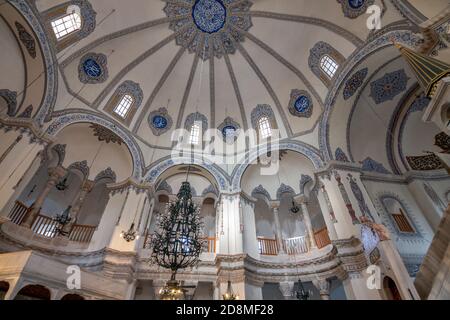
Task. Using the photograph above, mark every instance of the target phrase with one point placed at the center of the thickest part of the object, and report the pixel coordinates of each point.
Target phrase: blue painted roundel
(356, 4)
(302, 104)
(209, 15)
(159, 122)
(228, 131)
(92, 68)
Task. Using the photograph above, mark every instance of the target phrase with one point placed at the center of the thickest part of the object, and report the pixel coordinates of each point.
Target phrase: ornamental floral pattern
(340, 155)
(354, 83)
(160, 121)
(300, 104)
(354, 8)
(27, 39)
(93, 68)
(209, 27)
(11, 100)
(371, 165)
(389, 86)
(284, 189)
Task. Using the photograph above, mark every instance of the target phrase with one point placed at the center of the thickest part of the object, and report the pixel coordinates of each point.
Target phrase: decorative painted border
(163, 113)
(51, 84)
(295, 94)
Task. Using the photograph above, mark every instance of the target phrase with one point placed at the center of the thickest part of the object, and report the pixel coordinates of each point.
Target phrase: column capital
(274, 204)
(323, 285)
(301, 198)
(57, 172)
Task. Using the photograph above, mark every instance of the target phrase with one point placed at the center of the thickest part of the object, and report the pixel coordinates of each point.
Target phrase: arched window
(194, 136)
(125, 102)
(66, 24)
(265, 130)
(263, 121)
(195, 126)
(123, 107)
(69, 22)
(324, 61)
(329, 66)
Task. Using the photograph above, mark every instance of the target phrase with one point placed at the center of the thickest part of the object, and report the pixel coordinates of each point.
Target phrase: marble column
(14, 165)
(275, 205)
(327, 212)
(231, 239)
(55, 174)
(308, 224)
(85, 188)
(323, 285)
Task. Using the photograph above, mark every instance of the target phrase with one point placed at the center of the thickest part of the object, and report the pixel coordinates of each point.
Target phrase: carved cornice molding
(131, 184)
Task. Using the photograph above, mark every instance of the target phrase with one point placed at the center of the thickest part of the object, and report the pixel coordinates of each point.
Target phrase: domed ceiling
(221, 59)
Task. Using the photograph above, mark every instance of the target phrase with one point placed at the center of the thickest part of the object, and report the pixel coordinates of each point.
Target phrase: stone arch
(390, 288)
(401, 36)
(79, 116)
(72, 296)
(33, 292)
(32, 16)
(154, 172)
(302, 148)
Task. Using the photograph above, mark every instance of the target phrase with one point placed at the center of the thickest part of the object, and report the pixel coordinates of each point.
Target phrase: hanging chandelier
(130, 234)
(301, 293)
(62, 184)
(229, 294)
(178, 241)
(294, 209)
(63, 219)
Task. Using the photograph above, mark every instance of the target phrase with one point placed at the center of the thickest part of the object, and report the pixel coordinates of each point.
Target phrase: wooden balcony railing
(18, 213)
(296, 245)
(322, 238)
(210, 247)
(267, 247)
(47, 226)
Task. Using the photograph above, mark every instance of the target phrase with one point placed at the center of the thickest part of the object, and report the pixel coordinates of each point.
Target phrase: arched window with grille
(194, 135)
(263, 121)
(264, 128)
(125, 102)
(69, 22)
(329, 66)
(325, 61)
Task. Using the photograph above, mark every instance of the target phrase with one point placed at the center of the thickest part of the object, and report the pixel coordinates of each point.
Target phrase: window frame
(329, 66)
(125, 102)
(61, 20)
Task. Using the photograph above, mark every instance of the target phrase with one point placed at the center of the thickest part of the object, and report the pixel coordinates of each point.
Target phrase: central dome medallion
(209, 15)
(209, 27)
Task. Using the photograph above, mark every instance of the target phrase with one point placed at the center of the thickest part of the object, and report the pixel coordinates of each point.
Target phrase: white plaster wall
(11, 61)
